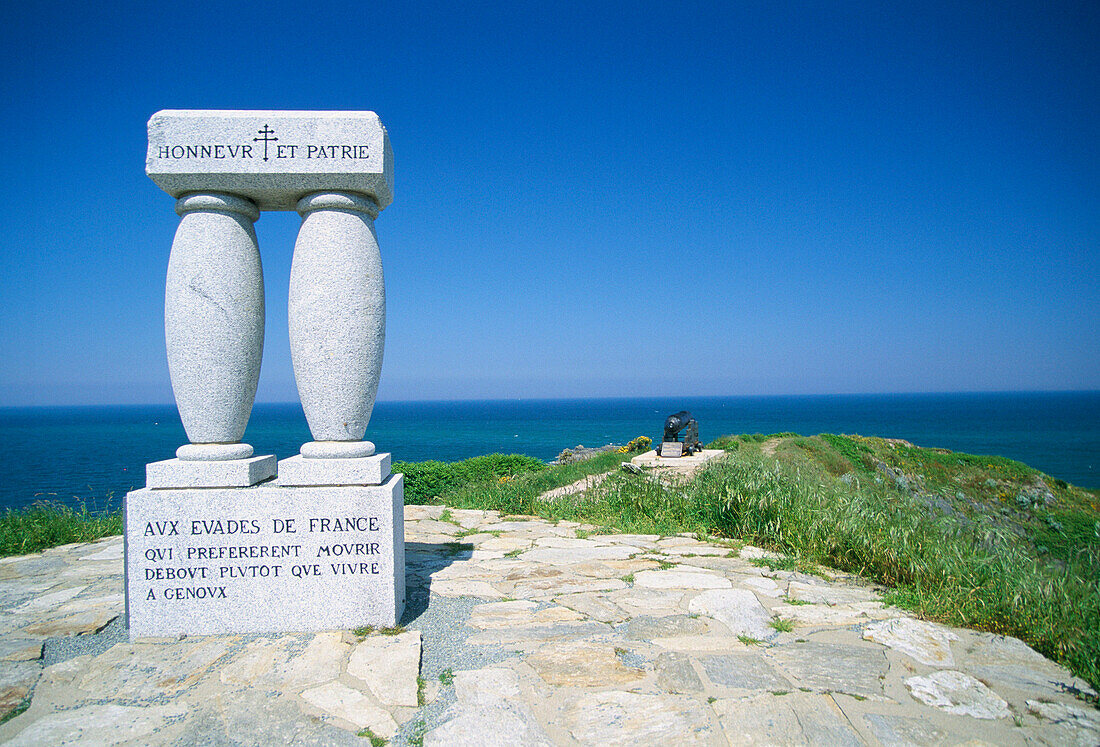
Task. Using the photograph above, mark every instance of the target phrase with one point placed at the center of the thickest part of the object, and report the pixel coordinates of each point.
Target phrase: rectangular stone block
(264, 559)
(274, 158)
(300, 471)
(231, 473)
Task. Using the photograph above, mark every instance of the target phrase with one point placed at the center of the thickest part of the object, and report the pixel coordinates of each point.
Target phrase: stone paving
(599, 639)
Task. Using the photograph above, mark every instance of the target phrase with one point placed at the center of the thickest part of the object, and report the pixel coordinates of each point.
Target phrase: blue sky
(592, 199)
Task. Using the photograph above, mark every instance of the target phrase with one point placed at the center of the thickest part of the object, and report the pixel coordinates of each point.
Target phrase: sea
(94, 455)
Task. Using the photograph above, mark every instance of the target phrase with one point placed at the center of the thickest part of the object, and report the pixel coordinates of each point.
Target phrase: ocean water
(96, 454)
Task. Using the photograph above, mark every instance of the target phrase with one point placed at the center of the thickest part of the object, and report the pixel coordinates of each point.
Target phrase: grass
(781, 624)
(982, 542)
(375, 740)
(43, 525)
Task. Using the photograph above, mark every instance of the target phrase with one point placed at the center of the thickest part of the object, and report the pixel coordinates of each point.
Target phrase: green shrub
(426, 481)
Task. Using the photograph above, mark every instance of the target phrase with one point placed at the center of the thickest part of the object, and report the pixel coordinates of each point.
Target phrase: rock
(748, 552)
(765, 586)
(593, 605)
(346, 704)
(820, 594)
(957, 693)
(48, 601)
(256, 663)
(144, 670)
(629, 719)
(834, 667)
(321, 661)
(1067, 713)
(675, 673)
(105, 724)
(389, 666)
(82, 623)
(20, 649)
(814, 615)
(582, 664)
(525, 634)
(646, 628)
(923, 641)
(489, 713)
(17, 679)
(793, 718)
(902, 731)
(737, 609)
(640, 601)
(680, 580)
(518, 612)
(698, 643)
(745, 671)
(571, 555)
(454, 587)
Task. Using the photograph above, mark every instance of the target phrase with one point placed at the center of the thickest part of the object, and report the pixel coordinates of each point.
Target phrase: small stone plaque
(264, 559)
(273, 158)
(672, 449)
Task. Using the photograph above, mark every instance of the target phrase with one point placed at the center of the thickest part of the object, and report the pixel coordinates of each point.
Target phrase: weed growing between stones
(748, 640)
(375, 740)
(447, 677)
(781, 624)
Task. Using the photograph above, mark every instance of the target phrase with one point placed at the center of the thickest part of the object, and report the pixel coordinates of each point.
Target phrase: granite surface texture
(300, 470)
(180, 473)
(264, 559)
(274, 158)
(214, 316)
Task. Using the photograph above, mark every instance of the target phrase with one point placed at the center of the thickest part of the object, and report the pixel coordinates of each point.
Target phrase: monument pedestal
(265, 558)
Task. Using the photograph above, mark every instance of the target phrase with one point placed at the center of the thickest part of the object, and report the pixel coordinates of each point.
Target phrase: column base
(264, 559)
(301, 471)
(230, 473)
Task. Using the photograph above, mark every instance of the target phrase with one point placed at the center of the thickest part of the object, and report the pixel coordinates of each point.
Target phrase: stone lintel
(230, 473)
(273, 158)
(302, 471)
(264, 559)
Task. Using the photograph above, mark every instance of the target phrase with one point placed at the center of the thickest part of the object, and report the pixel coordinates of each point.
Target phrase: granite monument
(220, 539)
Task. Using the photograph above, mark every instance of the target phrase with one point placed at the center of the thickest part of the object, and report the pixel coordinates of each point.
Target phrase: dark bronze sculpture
(679, 426)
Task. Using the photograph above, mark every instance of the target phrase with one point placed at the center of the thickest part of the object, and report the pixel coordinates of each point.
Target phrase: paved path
(528, 632)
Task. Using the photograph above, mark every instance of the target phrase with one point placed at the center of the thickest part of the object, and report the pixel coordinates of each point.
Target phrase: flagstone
(628, 719)
(958, 693)
(20, 649)
(646, 627)
(699, 643)
(641, 601)
(342, 702)
(389, 666)
(489, 713)
(98, 724)
(833, 667)
(792, 718)
(676, 674)
(820, 594)
(676, 579)
(593, 605)
(582, 664)
(738, 609)
(894, 730)
(518, 613)
(322, 660)
(571, 555)
(744, 670)
(923, 641)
